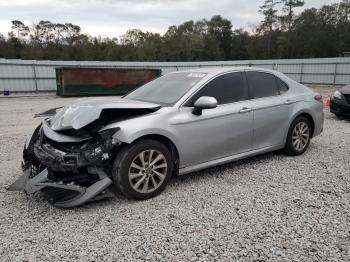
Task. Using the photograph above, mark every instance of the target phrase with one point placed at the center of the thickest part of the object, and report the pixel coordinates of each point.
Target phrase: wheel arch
(299, 114)
(308, 117)
(165, 141)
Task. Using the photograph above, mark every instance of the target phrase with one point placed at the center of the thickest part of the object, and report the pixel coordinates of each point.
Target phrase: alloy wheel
(300, 136)
(147, 171)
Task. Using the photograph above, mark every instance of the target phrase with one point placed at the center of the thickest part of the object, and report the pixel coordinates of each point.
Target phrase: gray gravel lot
(267, 208)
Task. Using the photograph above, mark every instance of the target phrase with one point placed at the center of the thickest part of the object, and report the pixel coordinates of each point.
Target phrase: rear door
(272, 109)
(221, 131)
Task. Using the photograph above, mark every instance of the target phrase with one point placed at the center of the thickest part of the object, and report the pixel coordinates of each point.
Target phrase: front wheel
(142, 170)
(299, 136)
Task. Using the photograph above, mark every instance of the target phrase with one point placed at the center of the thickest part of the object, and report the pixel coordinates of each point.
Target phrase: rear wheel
(142, 170)
(299, 136)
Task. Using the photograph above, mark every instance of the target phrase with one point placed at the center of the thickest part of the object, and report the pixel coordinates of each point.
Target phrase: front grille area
(64, 147)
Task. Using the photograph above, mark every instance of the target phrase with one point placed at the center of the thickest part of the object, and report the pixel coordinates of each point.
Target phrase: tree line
(283, 33)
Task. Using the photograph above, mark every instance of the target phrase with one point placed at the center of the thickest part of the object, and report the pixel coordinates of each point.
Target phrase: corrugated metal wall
(39, 76)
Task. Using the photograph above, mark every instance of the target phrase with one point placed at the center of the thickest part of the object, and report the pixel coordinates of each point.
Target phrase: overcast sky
(114, 17)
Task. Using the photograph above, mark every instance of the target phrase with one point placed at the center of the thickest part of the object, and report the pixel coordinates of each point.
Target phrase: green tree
(185, 42)
(220, 30)
(343, 27)
(346, 6)
(288, 17)
(240, 43)
(269, 11)
(21, 30)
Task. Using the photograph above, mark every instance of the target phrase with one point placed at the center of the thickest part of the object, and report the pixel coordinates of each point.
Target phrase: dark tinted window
(227, 88)
(282, 86)
(262, 84)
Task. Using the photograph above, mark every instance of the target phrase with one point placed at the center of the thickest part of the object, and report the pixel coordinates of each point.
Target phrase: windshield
(166, 90)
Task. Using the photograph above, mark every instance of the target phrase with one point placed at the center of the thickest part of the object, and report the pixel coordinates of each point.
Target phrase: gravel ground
(267, 208)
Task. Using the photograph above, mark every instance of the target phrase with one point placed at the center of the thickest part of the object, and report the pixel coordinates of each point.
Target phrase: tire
(292, 147)
(128, 170)
(29, 158)
(28, 153)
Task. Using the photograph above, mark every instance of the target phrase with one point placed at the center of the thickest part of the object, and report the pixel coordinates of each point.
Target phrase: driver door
(219, 132)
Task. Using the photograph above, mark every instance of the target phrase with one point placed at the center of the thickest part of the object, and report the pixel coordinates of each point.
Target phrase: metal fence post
(335, 73)
(35, 79)
(301, 72)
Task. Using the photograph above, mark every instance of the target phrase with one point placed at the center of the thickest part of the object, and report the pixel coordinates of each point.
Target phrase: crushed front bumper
(69, 195)
(68, 175)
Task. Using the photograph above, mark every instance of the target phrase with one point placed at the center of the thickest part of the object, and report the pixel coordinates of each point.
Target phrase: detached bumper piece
(59, 194)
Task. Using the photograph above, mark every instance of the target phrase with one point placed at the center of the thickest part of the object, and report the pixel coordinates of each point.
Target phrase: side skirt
(216, 162)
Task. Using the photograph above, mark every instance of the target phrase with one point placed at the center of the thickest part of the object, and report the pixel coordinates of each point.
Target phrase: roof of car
(218, 70)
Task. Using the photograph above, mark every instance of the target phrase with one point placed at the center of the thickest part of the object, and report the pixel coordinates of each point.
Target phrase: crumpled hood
(85, 111)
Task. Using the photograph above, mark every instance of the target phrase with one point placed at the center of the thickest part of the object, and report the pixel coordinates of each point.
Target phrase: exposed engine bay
(68, 158)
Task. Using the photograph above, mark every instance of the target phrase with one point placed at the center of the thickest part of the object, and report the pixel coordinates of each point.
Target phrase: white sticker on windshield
(198, 75)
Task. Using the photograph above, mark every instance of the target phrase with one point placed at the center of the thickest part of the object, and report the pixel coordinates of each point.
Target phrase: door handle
(288, 102)
(245, 110)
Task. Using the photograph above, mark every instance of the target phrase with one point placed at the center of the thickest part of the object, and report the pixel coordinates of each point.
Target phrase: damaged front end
(68, 173)
(68, 158)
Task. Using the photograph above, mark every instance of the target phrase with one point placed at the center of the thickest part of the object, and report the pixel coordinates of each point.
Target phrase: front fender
(129, 138)
(133, 129)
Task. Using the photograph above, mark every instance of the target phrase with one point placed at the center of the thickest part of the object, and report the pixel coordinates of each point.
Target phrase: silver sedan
(179, 123)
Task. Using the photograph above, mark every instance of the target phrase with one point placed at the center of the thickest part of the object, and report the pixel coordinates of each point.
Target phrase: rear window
(262, 84)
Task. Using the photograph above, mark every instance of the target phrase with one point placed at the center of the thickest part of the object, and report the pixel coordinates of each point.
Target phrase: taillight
(319, 98)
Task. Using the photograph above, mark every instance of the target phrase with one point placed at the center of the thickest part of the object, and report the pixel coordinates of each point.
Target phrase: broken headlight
(108, 135)
(101, 150)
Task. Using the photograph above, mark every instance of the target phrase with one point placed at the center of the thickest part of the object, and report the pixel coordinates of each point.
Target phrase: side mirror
(204, 102)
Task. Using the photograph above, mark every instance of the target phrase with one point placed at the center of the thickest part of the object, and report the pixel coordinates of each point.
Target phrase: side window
(282, 86)
(262, 84)
(226, 89)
